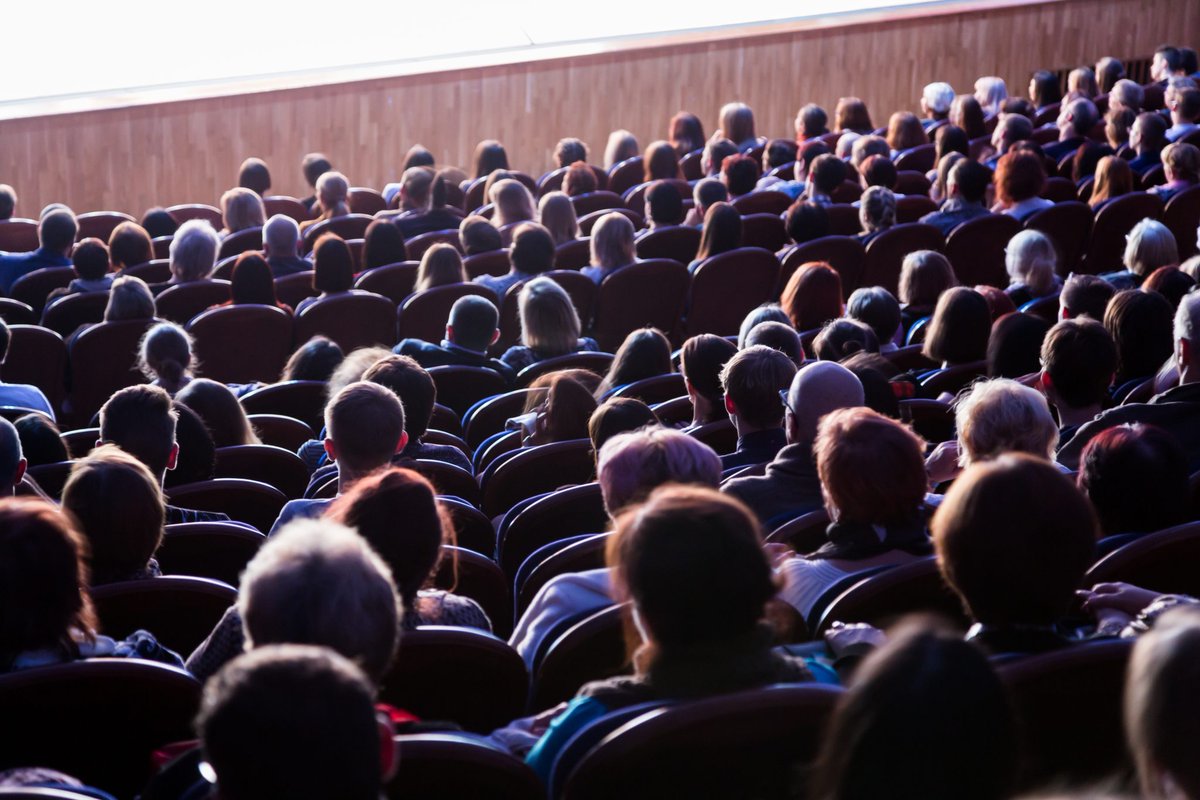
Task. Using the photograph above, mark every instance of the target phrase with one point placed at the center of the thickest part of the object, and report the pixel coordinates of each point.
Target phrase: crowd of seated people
(870, 412)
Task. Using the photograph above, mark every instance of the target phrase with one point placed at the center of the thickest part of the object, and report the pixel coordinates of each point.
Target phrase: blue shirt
(23, 395)
(17, 265)
(299, 509)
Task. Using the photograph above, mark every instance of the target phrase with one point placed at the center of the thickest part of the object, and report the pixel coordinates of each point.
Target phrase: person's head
(489, 156)
(165, 355)
(418, 156)
(1108, 71)
(877, 211)
(473, 323)
(252, 281)
(557, 215)
(809, 152)
(1079, 360)
(441, 265)
(936, 99)
(968, 114)
(129, 298)
(618, 415)
(129, 244)
(645, 353)
(141, 421)
(1044, 88)
(990, 91)
(1014, 349)
(43, 572)
(816, 391)
(867, 146)
(1136, 477)
(925, 275)
(315, 360)
(752, 381)
(40, 443)
(564, 408)
(778, 336)
(364, 424)
(219, 408)
(722, 231)
(12, 459)
(119, 508)
(1149, 133)
(737, 123)
(477, 235)
(57, 231)
(631, 465)
(1127, 95)
(701, 361)
(532, 250)
(1166, 62)
(1113, 178)
(281, 237)
(1189, 61)
(409, 381)
(549, 322)
(90, 259)
(811, 122)
(193, 252)
(159, 222)
(612, 242)
(513, 202)
(768, 312)
(1085, 295)
(1031, 261)
(877, 308)
(1011, 128)
(664, 206)
(416, 188)
(197, 459)
(959, 330)
(8, 201)
(1000, 416)
(579, 179)
(1186, 107)
(905, 131)
(739, 173)
(333, 189)
(842, 338)
(812, 296)
(941, 189)
(621, 145)
(827, 173)
(901, 724)
(383, 243)
(278, 707)
(851, 114)
(1019, 176)
(1077, 118)
(805, 222)
(660, 162)
(1171, 282)
(687, 133)
(878, 171)
(313, 166)
(950, 139)
(1140, 324)
(568, 151)
(1181, 161)
(241, 209)
(333, 265)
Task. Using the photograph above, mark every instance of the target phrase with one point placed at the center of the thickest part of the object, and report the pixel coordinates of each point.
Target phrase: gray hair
(281, 234)
(1187, 321)
(938, 97)
(631, 465)
(1030, 259)
(1002, 416)
(194, 250)
(1127, 93)
(129, 298)
(1148, 246)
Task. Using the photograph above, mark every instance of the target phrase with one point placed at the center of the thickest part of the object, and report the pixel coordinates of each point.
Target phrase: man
(1075, 122)
(663, 207)
(1167, 63)
(752, 381)
(1011, 128)
(824, 177)
(255, 176)
(1176, 410)
(966, 190)
(715, 153)
(811, 122)
(739, 173)
(8, 201)
(1147, 138)
(20, 395)
(314, 166)
(281, 247)
(364, 424)
(474, 325)
(12, 460)
(1185, 114)
(532, 253)
(568, 151)
(935, 104)
(56, 234)
(1079, 361)
(790, 487)
(707, 192)
(418, 211)
(294, 721)
(1085, 295)
(141, 421)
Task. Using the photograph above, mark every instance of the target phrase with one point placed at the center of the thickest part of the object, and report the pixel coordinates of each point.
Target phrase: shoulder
(444, 608)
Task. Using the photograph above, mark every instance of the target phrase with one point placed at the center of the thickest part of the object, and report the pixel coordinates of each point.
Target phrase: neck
(1189, 374)
(1077, 416)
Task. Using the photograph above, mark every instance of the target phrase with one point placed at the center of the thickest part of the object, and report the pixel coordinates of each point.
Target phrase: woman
(737, 125)
(1108, 71)
(119, 507)
(1044, 89)
(645, 353)
(221, 412)
(579, 179)
(1032, 265)
(383, 244)
(842, 338)
(1181, 168)
(700, 362)
(1019, 179)
(1136, 477)
(805, 222)
(990, 92)
(333, 192)
(333, 270)
(939, 190)
(315, 360)
(41, 440)
(876, 213)
(661, 163)
(1148, 246)
(1015, 346)
(812, 296)
(687, 133)
(1086, 159)
(905, 132)
(513, 203)
(165, 357)
(549, 325)
(1171, 282)
(612, 246)
(252, 283)
(959, 330)
(1113, 179)
(722, 232)
(241, 209)
(46, 616)
(556, 213)
(563, 413)
(618, 415)
(490, 156)
(477, 235)
(129, 245)
(440, 266)
(924, 276)
(850, 115)
(872, 473)
(1141, 326)
(130, 298)
(967, 113)
(622, 146)
(666, 558)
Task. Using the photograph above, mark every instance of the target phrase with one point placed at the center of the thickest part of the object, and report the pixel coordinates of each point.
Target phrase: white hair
(281, 235)
(194, 250)
(1148, 246)
(991, 92)
(1031, 260)
(938, 97)
(1002, 416)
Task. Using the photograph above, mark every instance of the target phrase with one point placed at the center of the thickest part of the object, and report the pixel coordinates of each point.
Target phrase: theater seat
(14, 312)
(235, 244)
(288, 206)
(952, 380)
(881, 599)
(180, 611)
(572, 554)
(354, 319)
(18, 235)
(256, 504)
(476, 576)
(844, 253)
(805, 533)
(103, 359)
(350, 226)
(727, 287)
(494, 262)
(933, 420)
(394, 281)
(291, 289)
(242, 343)
(32, 288)
(887, 250)
(188, 211)
(676, 242)
(280, 468)
(423, 315)
(768, 202)
(1110, 227)
(588, 221)
(1069, 226)
(417, 245)
(658, 389)
(596, 362)
(65, 314)
(764, 230)
(976, 250)
(281, 431)
(649, 293)
(489, 415)
(1163, 561)
(590, 650)
(542, 520)
(535, 470)
(461, 387)
(1181, 215)
(215, 550)
(456, 765)
(182, 301)
(301, 400)
(472, 530)
(582, 290)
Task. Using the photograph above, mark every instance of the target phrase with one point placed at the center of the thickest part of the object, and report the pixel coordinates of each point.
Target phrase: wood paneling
(129, 159)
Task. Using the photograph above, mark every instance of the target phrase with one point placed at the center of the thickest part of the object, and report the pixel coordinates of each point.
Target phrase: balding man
(12, 460)
(790, 486)
(1075, 122)
(281, 246)
(56, 234)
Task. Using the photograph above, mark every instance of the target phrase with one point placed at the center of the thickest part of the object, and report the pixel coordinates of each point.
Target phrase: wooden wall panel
(188, 151)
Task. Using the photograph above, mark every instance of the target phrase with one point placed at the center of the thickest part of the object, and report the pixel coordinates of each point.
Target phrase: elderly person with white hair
(281, 246)
(935, 104)
(1148, 246)
(193, 253)
(333, 193)
(1032, 265)
(991, 92)
(1127, 94)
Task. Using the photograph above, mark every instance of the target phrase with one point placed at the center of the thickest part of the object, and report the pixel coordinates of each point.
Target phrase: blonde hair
(332, 191)
(737, 122)
(242, 209)
(129, 298)
(621, 145)
(512, 201)
(557, 215)
(991, 92)
(549, 323)
(1148, 246)
(1031, 260)
(924, 275)
(1001, 416)
(1181, 161)
(612, 242)
(440, 266)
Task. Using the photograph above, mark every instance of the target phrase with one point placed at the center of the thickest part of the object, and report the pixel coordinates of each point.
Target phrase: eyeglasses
(783, 398)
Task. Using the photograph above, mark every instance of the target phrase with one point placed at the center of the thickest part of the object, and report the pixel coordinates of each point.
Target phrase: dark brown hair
(812, 296)
(960, 328)
(333, 265)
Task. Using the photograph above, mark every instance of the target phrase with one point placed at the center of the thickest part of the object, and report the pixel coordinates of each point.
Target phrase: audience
(383, 244)
(477, 235)
(252, 284)
(531, 254)
(165, 357)
(313, 166)
(1085, 295)
(12, 460)
(1181, 168)
(557, 215)
(879, 309)
(618, 415)
(19, 395)
(925, 275)
(876, 214)
(1136, 478)
(778, 336)
(281, 246)
(41, 442)
(91, 262)
(241, 209)
(1079, 360)
(129, 299)
(1147, 138)
(663, 206)
(441, 265)
(333, 192)
(935, 104)
(56, 236)
(966, 191)
(687, 133)
(812, 296)
(1032, 265)
(645, 353)
(1140, 324)
(722, 232)
(332, 272)
(1014, 348)
(1113, 179)
(315, 360)
(129, 245)
(1020, 177)
(220, 410)
(959, 329)
(193, 252)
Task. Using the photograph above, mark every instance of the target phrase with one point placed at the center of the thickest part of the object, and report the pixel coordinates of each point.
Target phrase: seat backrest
(910, 359)
(350, 226)
(103, 359)
(18, 235)
(886, 252)
(1160, 561)
(365, 201)
(647, 293)
(727, 287)
(844, 253)
(353, 320)
(573, 554)
(1110, 227)
(910, 208)
(460, 765)
(676, 242)
(181, 302)
(596, 362)
(99, 224)
(557, 515)
(281, 431)
(805, 533)
(1069, 226)
(237, 243)
(291, 289)
(423, 315)
(417, 245)
(459, 675)
(488, 416)
(67, 313)
(691, 165)
(265, 463)
(187, 211)
(162, 246)
(229, 355)
(215, 550)
(1046, 308)
(493, 262)
(582, 290)
(448, 479)
(288, 206)
(887, 596)
(32, 288)
(625, 175)
(143, 704)
(919, 158)
(765, 202)
(254, 503)
(976, 249)
(575, 254)
(588, 221)
(180, 611)
(472, 530)
(301, 400)
(591, 650)
(393, 281)
(461, 387)
(1180, 216)
(932, 419)
(1060, 189)
(37, 356)
(471, 574)
(952, 380)
(14, 312)
(721, 436)
(156, 271)
(843, 219)
(602, 200)
(764, 230)
(535, 470)
(657, 389)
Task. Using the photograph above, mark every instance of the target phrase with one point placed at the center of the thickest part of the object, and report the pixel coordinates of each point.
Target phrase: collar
(458, 348)
(771, 437)
(859, 540)
(700, 668)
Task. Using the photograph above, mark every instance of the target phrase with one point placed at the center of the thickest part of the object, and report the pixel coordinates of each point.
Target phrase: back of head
(255, 175)
(1086, 295)
(612, 242)
(332, 190)
(57, 231)
(827, 173)
(478, 235)
(165, 353)
(715, 153)
(777, 336)
(275, 708)
(333, 265)
(129, 298)
(806, 221)
(412, 384)
(877, 211)
(315, 360)
(691, 560)
(383, 244)
(687, 132)
(532, 249)
(905, 131)
(960, 328)
(568, 151)
(1082, 115)
(1182, 160)
(418, 156)
(475, 322)
(219, 408)
(618, 415)
(317, 582)
(753, 380)
(1001, 416)
(878, 171)
(1079, 358)
(129, 244)
(579, 179)
(1151, 129)
(812, 296)
(1108, 71)
(701, 361)
(1014, 563)
(740, 174)
(1171, 282)
(1140, 324)
(418, 186)
(872, 468)
(1127, 94)
(352, 367)
(10, 456)
(40, 443)
(631, 465)
(490, 156)
(314, 165)
(1137, 479)
(938, 97)
(768, 312)
(867, 146)
(1148, 246)
(281, 236)
(197, 459)
(513, 202)
(972, 180)
(557, 216)
(842, 338)
(365, 422)
(1011, 129)
(194, 250)
(159, 222)
(722, 231)
(660, 162)
(549, 322)
(8, 201)
(1019, 176)
(1015, 346)
(950, 139)
(565, 412)
(737, 123)
(252, 281)
(1044, 88)
(878, 308)
(663, 204)
(90, 259)
(851, 115)
(645, 353)
(817, 390)
(441, 265)
(141, 421)
(778, 153)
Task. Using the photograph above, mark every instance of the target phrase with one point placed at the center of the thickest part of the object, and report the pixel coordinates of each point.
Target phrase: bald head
(1078, 118)
(12, 462)
(817, 390)
(281, 237)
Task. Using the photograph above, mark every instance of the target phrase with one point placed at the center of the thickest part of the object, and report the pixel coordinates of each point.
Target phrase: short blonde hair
(1031, 260)
(549, 322)
(129, 298)
(924, 275)
(440, 266)
(1182, 161)
(631, 465)
(1001, 416)
(1148, 246)
(242, 209)
(612, 242)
